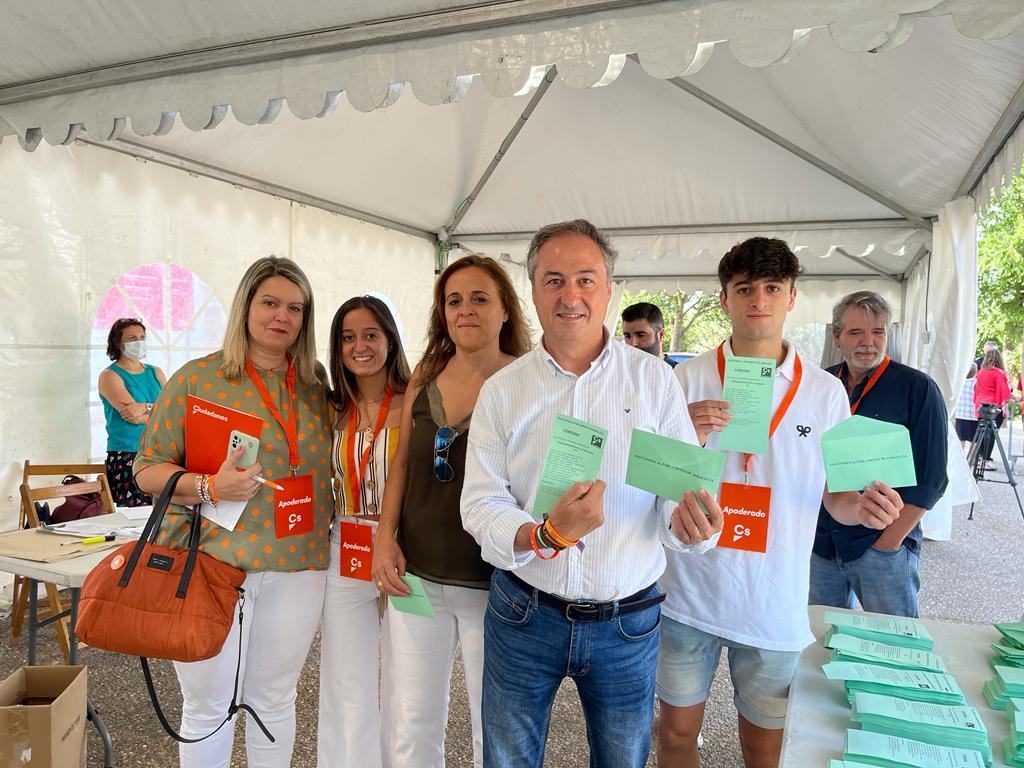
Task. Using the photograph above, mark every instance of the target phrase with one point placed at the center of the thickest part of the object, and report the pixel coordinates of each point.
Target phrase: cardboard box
(42, 718)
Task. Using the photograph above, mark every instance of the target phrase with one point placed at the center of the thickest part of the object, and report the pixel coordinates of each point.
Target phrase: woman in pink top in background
(991, 387)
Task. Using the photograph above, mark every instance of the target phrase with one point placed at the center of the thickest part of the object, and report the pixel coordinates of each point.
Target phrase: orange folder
(208, 428)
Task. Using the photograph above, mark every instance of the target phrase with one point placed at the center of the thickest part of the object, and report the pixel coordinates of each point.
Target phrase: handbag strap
(151, 528)
(194, 535)
(233, 708)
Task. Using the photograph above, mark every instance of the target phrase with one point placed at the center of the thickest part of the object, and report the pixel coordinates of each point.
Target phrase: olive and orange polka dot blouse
(253, 544)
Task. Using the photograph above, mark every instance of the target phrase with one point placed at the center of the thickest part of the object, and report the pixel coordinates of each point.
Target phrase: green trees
(1001, 271)
(694, 321)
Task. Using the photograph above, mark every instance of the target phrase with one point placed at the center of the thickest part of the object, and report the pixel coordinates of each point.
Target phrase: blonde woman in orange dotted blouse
(267, 368)
(370, 375)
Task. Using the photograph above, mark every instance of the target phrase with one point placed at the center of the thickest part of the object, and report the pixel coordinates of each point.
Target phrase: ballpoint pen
(91, 540)
(267, 483)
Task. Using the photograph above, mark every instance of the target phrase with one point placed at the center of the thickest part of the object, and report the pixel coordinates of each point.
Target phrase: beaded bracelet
(210, 491)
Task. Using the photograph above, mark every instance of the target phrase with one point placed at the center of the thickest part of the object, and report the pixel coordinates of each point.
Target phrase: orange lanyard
(290, 427)
(871, 381)
(350, 459)
(780, 412)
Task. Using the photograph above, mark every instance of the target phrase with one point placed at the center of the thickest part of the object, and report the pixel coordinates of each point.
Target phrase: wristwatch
(149, 407)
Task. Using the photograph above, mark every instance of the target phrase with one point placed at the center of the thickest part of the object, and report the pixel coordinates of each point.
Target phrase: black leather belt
(588, 611)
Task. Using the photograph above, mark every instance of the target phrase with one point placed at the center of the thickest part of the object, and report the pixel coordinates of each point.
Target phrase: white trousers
(280, 617)
(419, 678)
(348, 733)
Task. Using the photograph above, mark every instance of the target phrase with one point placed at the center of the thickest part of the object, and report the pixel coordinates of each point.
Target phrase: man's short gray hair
(574, 227)
(872, 304)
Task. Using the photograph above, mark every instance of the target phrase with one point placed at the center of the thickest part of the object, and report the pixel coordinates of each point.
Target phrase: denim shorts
(687, 661)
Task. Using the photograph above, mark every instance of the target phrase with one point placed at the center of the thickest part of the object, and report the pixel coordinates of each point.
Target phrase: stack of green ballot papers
(892, 630)
(846, 764)
(1013, 745)
(850, 648)
(893, 752)
(909, 684)
(932, 723)
(1011, 649)
(1008, 682)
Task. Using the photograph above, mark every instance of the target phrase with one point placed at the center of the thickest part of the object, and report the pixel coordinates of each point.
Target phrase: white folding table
(819, 713)
(68, 574)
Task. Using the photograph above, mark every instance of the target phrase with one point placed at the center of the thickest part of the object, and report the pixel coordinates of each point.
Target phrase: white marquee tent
(170, 144)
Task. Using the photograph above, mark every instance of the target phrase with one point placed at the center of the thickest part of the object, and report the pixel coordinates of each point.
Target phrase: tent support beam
(1001, 133)
(472, 17)
(506, 144)
(803, 278)
(922, 251)
(868, 265)
(257, 185)
(709, 229)
(762, 130)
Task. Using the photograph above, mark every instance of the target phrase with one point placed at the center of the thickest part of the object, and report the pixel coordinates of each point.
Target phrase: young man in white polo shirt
(749, 594)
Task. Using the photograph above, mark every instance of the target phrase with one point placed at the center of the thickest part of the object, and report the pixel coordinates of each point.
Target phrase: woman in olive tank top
(476, 328)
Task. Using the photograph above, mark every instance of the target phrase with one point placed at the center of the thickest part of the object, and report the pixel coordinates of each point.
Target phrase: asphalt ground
(977, 577)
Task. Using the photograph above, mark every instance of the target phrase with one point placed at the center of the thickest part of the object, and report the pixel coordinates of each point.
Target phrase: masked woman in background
(128, 388)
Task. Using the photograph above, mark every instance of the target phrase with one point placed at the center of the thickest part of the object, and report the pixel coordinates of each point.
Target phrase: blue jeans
(529, 648)
(883, 582)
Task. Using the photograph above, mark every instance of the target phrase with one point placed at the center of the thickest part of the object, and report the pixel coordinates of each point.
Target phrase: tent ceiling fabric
(105, 64)
(907, 123)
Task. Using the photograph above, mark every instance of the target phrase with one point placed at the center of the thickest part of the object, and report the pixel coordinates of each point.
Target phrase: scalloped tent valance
(55, 83)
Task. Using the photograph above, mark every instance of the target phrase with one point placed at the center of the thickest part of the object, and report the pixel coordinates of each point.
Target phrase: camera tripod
(988, 435)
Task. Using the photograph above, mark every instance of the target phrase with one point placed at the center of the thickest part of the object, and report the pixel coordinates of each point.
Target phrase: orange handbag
(152, 601)
(148, 600)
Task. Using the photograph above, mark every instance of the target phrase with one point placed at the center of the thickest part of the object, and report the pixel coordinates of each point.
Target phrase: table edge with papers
(818, 714)
(63, 573)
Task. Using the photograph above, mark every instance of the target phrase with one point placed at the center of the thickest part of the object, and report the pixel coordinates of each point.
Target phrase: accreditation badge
(356, 548)
(293, 507)
(746, 510)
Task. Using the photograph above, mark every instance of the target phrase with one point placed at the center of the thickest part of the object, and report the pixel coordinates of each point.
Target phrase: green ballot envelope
(893, 752)
(860, 450)
(416, 602)
(956, 726)
(1009, 656)
(1013, 634)
(574, 455)
(669, 468)
(748, 386)
(893, 630)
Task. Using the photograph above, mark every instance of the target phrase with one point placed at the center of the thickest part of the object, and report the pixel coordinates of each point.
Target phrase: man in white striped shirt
(592, 614)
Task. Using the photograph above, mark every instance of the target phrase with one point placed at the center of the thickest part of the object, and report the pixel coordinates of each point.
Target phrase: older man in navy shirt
(880, 567)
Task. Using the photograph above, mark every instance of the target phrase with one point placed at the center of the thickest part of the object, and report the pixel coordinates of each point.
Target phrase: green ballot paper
(909, 684)
(860, 450)
(574, 455)
(416, 602)
(850, 648)
(748, 387)
(956, 726)
(893, 752)
(669, 468)
(1008, 683)
(894, 630)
